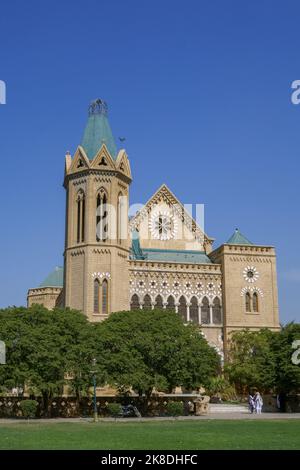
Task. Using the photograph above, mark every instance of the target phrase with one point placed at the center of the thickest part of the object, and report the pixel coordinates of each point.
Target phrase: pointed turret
(237, 238)
(97, 179)
(98, 131)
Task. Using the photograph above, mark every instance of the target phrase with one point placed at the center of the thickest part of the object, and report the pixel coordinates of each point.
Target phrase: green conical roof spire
(98, 131)
(238, 239)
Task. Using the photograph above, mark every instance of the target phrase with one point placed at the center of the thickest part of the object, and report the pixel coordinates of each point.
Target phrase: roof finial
(98, 106)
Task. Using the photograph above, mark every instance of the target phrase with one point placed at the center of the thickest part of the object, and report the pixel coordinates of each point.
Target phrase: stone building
(159, 257)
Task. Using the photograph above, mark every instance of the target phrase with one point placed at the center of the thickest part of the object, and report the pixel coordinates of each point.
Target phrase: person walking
(258, 403)
(251, 403)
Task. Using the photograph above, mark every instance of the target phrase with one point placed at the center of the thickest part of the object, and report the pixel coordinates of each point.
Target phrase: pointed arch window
(216, 311)
(248, 302)
(205, 311)
(194, 310)
(101, 217)
(104, 297)
(80, 230)
(170, 303)
(135, 302)
(121, 218)
(255, 302)
(101, 297)
(96, 295)
(159, 302)
(147, 302)
(182, 308)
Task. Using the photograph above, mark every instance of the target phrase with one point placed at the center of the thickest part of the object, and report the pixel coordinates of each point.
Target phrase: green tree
(154, 349)
(251, 362)
(45, 350)
(287, 374)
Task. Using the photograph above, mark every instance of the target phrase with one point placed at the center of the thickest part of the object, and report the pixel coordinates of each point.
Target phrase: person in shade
(251, 403)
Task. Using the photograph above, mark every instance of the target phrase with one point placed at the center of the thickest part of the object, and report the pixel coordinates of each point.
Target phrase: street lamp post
(95, 392)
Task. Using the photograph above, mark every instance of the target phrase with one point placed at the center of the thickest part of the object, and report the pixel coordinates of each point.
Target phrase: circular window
(250, 274)
(163, 225)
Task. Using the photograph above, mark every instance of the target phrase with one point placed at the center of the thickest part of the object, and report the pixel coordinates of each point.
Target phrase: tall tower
(97, 179)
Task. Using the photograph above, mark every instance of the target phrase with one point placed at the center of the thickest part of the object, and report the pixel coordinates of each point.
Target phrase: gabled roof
(55, 278)
(97, 131)
(237, 238)
(166, 194)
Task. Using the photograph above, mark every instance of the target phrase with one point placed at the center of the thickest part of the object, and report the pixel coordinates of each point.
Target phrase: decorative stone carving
(101, 275)
(252, 289)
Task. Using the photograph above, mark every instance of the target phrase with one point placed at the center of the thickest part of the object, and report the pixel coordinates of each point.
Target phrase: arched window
(205, 311)
(121, 218)
(101, 217)
(194, 311)
(159, 302)
(78, 218)
(96, 295)
(135, 302)
(216, 310)
(147, 302)
(248, 302)
(104, 297)
(255, 302)
(80, 201)
(83, 219)
(182, 308)
(170, 303)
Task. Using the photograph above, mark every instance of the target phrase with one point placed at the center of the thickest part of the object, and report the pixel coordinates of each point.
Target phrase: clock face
(250, 274)
(162, 225)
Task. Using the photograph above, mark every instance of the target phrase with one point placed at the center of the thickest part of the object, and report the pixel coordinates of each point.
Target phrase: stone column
(188, 311)
(210, 314)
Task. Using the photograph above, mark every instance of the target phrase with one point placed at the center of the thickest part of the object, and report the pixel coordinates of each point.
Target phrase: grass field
(175, 435)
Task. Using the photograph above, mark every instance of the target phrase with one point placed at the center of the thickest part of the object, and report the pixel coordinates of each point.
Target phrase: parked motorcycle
(130, 411)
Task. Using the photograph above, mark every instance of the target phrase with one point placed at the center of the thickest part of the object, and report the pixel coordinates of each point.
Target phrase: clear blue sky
(200, 89)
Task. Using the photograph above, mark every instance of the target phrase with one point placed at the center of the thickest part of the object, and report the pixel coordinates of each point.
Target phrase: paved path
(211, 416)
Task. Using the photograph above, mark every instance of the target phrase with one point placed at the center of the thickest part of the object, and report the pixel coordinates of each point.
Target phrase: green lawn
(183, 435)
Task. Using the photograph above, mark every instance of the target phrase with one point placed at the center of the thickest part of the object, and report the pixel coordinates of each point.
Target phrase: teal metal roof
(98, 131)
(54, 279)
(176, 256)
(238, 239)
(172, 256)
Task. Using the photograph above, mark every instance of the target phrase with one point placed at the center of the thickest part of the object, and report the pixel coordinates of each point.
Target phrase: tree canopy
(47, 349)
(263, 359)
(42, 346)
(154, 349)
